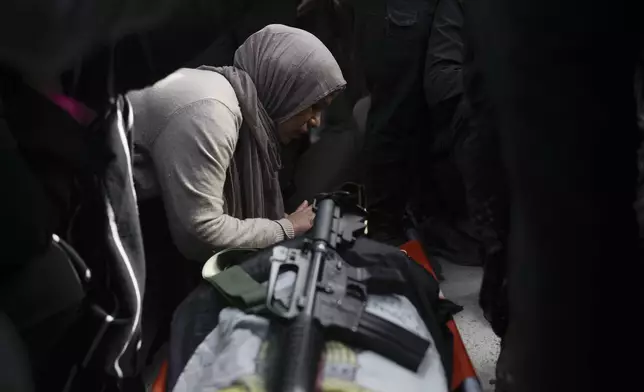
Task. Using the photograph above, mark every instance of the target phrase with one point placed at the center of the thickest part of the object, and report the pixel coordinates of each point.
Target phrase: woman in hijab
(207, 140)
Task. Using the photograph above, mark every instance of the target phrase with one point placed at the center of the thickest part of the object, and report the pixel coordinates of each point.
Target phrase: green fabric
(239, 288)
(233, 256)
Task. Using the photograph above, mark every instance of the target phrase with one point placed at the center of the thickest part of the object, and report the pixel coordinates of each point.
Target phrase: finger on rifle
(303, 206)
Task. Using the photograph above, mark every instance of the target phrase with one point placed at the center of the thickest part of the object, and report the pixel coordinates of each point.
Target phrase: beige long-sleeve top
(186, 130)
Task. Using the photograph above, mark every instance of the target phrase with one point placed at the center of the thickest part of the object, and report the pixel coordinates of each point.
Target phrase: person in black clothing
(447, 227)
(560, 77)
(479, 159)
(463, 123)
(392, 44)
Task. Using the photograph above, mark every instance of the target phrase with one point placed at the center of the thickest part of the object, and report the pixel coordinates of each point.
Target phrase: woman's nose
(314, 122)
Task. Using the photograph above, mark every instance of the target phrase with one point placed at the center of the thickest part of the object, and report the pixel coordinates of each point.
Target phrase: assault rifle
(328, 299)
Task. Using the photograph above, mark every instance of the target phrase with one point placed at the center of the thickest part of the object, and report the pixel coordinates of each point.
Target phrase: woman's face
(300, 124)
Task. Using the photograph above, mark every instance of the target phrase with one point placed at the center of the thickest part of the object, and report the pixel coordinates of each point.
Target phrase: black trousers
(478, 156)
(561, 78)
(393, 49)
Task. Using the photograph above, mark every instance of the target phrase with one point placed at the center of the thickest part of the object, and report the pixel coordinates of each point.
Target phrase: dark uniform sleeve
(443, 73)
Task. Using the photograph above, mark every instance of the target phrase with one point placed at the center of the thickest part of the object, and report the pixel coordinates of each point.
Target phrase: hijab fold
(278, 72)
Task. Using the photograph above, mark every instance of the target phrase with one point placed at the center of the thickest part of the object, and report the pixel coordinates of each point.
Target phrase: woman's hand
(302, 219)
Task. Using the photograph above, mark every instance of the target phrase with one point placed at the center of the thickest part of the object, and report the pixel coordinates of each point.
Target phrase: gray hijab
(278, 72)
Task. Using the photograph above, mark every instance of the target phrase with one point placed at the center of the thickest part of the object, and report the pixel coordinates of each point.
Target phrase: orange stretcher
(464, 378)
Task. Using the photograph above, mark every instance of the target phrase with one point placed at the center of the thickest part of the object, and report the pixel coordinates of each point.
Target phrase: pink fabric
(81, 113)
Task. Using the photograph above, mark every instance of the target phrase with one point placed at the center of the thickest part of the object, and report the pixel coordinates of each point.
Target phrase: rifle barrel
(323, 225)
(304, 337)
(299, 359)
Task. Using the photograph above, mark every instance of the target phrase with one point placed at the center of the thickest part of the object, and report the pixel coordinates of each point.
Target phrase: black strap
(419, 281)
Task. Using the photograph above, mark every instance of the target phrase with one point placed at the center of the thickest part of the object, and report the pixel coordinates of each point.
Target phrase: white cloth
(232, 354)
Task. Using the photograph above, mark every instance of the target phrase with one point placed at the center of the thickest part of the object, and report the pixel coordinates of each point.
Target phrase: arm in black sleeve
(443, 72)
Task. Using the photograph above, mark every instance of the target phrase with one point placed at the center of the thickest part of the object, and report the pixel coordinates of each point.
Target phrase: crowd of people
(149, 137)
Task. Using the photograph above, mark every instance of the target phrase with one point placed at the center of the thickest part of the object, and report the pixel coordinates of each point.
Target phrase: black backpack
(71, 280)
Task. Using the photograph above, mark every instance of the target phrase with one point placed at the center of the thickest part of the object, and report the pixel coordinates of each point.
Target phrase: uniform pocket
(407, 31)
(402, 17)
(407, 14)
